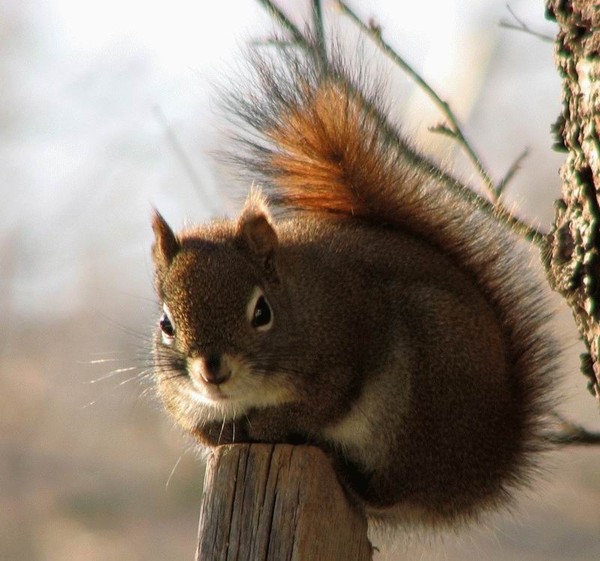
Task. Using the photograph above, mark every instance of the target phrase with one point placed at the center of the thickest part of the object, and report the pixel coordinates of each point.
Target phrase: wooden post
(277, 503)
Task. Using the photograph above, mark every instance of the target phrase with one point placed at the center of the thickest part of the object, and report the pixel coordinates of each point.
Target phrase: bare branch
(511, 171)
(572, 434)
(500, 211)
(522, 26)
(319, 31)
(286, 23)
(178, 149)
(374, 32)
(442, 128)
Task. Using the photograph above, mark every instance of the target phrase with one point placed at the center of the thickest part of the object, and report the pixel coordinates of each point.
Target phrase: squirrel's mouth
(243, 389)
(208, 393)
(214, 403)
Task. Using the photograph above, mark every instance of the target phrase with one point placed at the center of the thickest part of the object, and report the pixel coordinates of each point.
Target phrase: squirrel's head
(220, 327)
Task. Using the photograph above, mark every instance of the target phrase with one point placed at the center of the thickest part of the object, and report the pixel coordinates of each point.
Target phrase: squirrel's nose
(211, 369)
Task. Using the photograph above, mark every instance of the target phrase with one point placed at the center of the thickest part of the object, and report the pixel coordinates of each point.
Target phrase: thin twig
(511, 171)
(319, 31)
(522, 26)
(442, 128)
(572, 434)
(286, 23)
(178, 149)
(185, 160)
(317, 47)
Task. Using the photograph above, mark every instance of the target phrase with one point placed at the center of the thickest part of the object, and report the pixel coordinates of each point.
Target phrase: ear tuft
(165, 245)
(255, 228)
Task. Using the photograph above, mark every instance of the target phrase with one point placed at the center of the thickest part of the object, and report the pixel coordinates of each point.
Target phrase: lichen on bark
(574, 257)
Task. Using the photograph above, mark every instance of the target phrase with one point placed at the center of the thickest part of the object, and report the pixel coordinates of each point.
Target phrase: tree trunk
(277, 503)
(574, 259)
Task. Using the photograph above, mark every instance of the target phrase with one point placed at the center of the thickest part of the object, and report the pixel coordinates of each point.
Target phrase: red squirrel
(358, 305)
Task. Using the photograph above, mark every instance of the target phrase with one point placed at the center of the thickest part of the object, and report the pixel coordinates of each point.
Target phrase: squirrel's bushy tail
(318, 137)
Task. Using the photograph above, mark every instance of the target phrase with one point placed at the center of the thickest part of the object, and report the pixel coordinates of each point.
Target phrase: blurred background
(109, 108)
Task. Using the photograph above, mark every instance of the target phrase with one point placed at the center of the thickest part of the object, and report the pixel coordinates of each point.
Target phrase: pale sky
(85, 153)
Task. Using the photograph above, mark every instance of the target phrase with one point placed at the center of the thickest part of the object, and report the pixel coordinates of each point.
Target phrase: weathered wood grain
(277, 503)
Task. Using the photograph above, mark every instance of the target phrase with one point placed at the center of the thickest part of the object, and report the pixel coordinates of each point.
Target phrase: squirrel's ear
(254, 228)
(165, 245)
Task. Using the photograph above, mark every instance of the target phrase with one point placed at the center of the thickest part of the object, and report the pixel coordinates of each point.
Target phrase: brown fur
(408, 338)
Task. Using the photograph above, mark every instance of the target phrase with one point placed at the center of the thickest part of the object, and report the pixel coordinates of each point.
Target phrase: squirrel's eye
(166, 326)
(260, 313)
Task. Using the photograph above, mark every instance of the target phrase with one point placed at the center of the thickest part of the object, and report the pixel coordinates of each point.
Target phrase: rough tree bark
(574, 256)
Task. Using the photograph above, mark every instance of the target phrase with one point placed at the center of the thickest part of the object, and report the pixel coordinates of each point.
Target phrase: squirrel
(355, 304)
